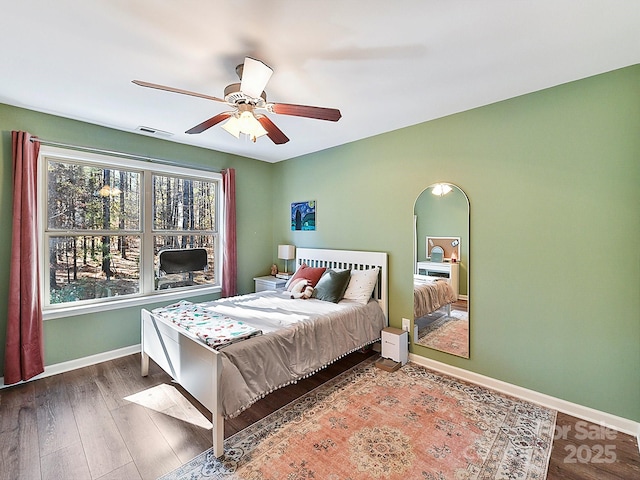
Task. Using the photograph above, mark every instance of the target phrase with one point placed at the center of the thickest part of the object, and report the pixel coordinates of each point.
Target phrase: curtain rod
(114, 153)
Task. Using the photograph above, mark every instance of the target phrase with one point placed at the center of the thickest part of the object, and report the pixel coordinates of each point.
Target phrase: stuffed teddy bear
(301, 289)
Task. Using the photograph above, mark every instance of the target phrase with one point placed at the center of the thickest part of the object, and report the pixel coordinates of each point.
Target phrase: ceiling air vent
(153, 131)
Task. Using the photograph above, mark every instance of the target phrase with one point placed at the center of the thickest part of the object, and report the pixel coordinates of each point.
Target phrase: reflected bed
(431, 294)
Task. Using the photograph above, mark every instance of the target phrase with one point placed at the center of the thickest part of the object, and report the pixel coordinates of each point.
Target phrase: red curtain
(24, 352)
(230, 254)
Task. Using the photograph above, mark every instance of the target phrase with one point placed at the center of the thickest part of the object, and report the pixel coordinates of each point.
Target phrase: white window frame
(147, 293)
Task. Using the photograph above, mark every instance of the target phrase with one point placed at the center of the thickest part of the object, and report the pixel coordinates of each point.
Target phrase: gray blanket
(299, 338)
(430, 296)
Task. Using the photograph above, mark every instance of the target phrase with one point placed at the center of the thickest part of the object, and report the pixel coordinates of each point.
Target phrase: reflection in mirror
(441, 269)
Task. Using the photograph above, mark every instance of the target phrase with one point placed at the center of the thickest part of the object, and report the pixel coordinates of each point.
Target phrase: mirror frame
(464, 260)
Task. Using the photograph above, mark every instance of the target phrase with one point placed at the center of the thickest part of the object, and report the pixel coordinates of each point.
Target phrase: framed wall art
(303, 215)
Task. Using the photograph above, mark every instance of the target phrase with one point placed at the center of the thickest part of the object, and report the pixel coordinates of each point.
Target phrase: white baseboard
(80, 362)
(608, 420)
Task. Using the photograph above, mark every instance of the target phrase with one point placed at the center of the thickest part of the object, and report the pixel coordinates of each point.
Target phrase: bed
(289, 338)
(431, 294)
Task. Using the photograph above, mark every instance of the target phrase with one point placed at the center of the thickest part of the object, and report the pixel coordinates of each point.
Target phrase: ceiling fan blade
(255, 76)
(319, 113)
(273, 132)
(176, 90)
(210, 123)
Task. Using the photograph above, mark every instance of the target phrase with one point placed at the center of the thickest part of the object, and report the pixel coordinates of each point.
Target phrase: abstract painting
(303, 215)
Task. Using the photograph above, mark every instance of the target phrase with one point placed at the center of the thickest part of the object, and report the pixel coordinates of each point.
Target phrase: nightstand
(269, 282)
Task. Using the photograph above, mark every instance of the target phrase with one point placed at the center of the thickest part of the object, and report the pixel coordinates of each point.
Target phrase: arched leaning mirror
(441, 269)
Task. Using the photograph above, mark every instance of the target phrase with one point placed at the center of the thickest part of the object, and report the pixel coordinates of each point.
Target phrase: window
(116, 229)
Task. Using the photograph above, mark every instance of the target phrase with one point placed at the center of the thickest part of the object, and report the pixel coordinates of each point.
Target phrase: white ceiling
(385, 64)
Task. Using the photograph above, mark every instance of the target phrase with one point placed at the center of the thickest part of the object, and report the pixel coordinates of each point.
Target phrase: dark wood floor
(107, 422)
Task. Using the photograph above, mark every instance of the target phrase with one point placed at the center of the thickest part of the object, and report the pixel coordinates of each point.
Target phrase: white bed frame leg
(448, 309)
(144, 364)
(218, 420)
(144, 359)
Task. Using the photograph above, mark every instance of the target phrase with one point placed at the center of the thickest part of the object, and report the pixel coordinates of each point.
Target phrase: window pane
(101, 213)
(89, 267)
(184, 260)
(82, 197)
(183, 204)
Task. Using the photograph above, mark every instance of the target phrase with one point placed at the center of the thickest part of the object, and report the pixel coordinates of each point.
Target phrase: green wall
(78, 336)
(553, 180)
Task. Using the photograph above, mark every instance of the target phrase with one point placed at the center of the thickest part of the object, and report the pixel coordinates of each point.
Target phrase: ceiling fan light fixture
(246, 123)
(250, 125)
(441, 189)
(232, 126)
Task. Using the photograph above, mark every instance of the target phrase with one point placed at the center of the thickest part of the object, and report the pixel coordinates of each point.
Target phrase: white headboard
(354, 260)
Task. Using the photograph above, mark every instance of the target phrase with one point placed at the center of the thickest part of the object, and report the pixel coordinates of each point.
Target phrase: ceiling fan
(248, 100)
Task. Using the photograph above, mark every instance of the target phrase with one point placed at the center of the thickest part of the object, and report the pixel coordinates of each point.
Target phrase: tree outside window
(95, 234)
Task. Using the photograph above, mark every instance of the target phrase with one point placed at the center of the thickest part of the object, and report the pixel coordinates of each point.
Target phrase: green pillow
(332, 285)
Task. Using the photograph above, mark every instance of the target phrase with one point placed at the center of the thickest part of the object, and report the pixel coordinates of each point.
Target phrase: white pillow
(361, 285)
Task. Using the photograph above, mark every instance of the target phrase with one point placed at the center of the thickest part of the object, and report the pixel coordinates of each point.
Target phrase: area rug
(368, 423)
(447, 334)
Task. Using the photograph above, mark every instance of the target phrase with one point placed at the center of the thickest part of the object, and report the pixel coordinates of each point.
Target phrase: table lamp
(286, 253)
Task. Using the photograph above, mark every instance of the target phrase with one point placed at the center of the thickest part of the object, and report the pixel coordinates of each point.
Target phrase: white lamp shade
(286, 252)
(232, 126)
(250, 125)
(245, 123)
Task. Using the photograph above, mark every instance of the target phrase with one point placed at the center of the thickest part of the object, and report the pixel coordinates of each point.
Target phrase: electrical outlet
(406, 324)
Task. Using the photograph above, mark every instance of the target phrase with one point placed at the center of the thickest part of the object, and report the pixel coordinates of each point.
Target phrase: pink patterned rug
(368, 423)
(447, 334)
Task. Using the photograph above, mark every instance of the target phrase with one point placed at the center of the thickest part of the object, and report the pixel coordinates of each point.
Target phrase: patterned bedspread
(214, 329)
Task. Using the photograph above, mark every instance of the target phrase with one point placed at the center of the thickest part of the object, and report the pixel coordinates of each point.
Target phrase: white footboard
(191, 363)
